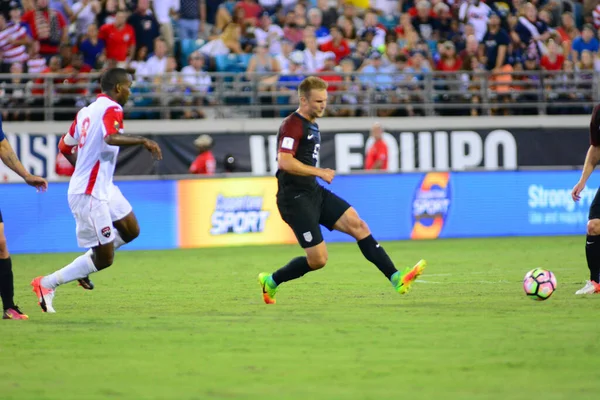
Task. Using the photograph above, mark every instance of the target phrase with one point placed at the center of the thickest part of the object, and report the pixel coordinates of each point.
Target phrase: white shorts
(94, 218)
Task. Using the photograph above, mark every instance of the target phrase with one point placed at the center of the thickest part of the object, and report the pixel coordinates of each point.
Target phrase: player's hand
(153, 148)
(37, 182)
(327, 175)
(577, 189)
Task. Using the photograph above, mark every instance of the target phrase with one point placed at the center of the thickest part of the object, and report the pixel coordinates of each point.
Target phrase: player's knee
(317, 261)
(359, 229)
(593, 227)
(131, 233)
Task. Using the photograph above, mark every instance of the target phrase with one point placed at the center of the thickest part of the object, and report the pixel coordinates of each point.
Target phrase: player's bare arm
(10, 159)
(288, 163)
(132, 140)
(591, 160)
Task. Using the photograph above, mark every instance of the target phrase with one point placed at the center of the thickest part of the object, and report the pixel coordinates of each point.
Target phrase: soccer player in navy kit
(9, 158)
(305, 205)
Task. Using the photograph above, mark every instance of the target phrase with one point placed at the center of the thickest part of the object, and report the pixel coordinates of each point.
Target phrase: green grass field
(191, 324)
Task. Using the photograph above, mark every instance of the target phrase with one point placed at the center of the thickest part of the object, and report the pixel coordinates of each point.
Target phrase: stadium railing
(48, 97)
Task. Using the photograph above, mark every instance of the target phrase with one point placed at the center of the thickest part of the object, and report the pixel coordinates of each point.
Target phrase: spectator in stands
(269, 34)
(360, 53)
(283, 58)
(15, 94)
(293, 33)
(138, 64)
(165, 10)
(530, 32)
(529, 85)
(314, 59)
(427, 27)
(119, 39)
(83, 13)
(349, 13)
(315, 18)
(252, 11)
(552, 60)
(156, 65)
(587, 41)
(198, 84)
(370, 27)
(337, 45)
(329, 14)
(48, 26)
(108, 11)
(471, 49)
(476, 13)
(348, 31)
(567, 31)
(473, 80)
(350, 87)
(205, 163)
(224, 14)
(145, 25)
(14, 40)
(377, 154)
(36, 63)
(228, 42)
(495, 44)
(171, 85)
(334, 80)
(92, 48)
(263, 63)
(449, 61)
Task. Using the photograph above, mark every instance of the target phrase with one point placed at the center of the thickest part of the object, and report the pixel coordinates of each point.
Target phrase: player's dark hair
(310, 83)
(112, 78)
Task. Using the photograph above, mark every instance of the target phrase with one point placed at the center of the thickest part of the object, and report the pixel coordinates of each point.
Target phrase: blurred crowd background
(205, 58)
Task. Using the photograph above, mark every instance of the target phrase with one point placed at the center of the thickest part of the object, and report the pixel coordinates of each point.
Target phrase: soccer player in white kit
(104, 218)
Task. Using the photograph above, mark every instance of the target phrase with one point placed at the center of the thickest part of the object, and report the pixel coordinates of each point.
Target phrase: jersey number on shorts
(316, 151)
(84, 131)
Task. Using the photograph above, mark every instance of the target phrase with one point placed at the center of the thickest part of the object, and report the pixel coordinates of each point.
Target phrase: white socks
(81, 267)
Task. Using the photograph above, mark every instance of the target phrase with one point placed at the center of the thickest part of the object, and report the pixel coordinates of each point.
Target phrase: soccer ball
(539, 284)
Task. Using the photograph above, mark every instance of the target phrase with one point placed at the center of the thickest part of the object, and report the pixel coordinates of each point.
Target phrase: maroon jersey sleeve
(595, 127)
(290, 134)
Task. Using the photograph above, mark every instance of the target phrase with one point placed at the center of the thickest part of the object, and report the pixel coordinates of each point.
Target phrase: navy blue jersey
(2, 136)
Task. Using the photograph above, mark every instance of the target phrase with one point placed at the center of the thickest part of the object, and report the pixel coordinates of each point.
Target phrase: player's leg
(9, 309)
(94, 230)
(125, 224)
(339, 215)
(592, 248)
(301, 214)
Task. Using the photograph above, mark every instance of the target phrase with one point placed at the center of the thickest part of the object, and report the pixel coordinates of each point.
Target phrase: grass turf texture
(191, 324)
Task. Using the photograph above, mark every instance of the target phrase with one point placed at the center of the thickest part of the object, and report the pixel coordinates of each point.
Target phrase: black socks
(7, 290)
(296, 268)
(377, 255)
(592, 254)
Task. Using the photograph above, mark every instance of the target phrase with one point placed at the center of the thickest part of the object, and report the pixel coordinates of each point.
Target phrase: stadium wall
(415, 144)
(242, 211)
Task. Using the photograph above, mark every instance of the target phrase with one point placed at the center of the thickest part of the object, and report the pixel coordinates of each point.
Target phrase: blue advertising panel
(42, 222)
(396, 207)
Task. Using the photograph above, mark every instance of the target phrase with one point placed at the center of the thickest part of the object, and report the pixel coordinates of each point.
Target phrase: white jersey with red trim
(96, 160)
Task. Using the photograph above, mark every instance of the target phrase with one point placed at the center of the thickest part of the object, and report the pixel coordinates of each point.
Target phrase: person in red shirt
(552, 60)
(119, 39)
(48, 26)
(334, 81)
(377, 154)
(338, 45)
(205, 163)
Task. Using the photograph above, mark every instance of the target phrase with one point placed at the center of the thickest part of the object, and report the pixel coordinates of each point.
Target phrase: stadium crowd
(389, 46)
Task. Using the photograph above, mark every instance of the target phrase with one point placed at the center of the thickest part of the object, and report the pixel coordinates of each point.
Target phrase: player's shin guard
(377, 255)
(6, 283)
(592, 254)
(81, 267)
(295, 269)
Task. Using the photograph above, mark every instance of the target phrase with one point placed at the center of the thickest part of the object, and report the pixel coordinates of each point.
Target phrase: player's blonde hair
(310, 83)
